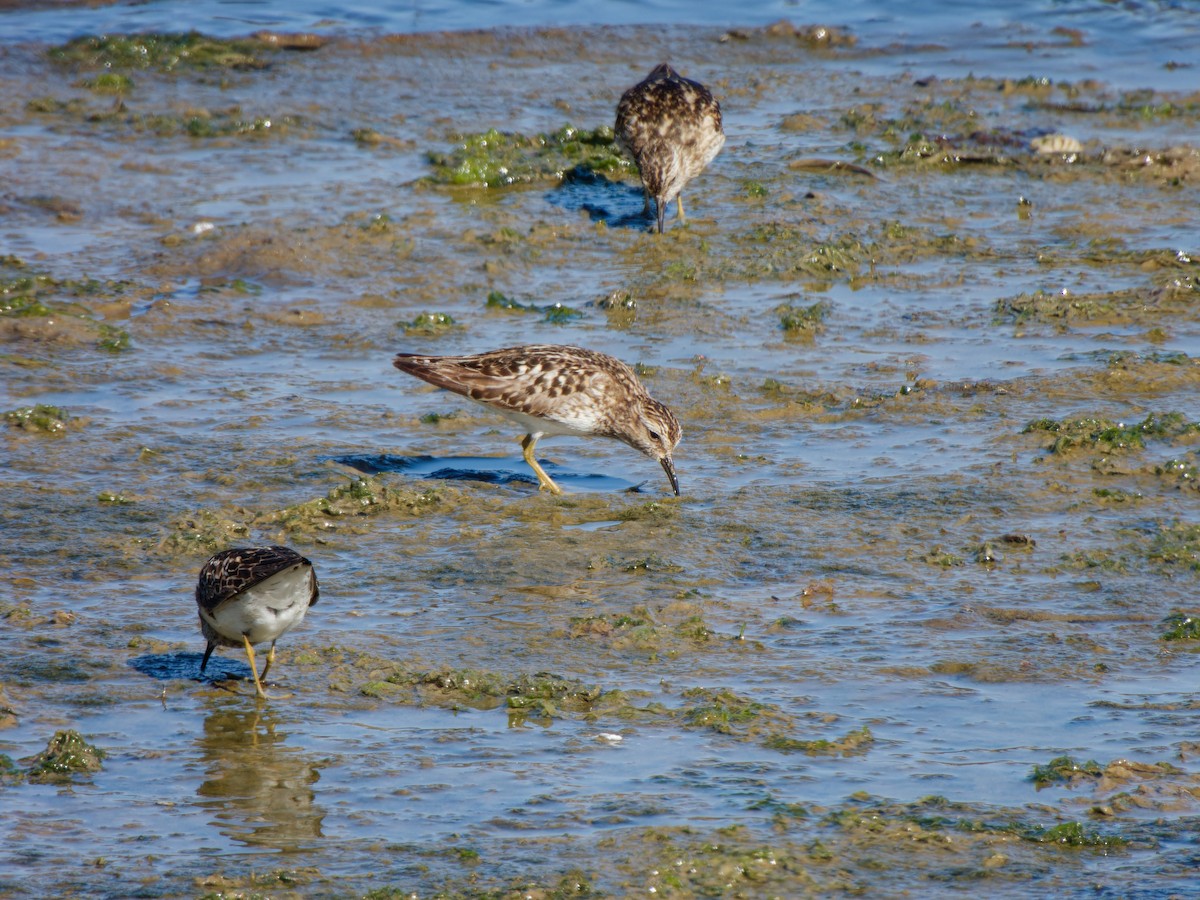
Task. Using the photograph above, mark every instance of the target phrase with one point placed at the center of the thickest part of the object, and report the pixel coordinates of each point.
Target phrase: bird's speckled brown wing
(667, 110)
(538, 379)
(230, 572)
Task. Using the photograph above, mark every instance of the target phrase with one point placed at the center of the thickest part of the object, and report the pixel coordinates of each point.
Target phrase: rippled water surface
(934, 538)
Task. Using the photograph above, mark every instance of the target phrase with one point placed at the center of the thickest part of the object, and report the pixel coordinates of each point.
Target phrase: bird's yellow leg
(679, 204)
(270, 660)
(545, 482)
(253, 667)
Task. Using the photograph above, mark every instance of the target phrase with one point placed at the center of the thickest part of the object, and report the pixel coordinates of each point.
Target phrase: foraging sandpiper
(549, 389)
(252, 595)
(671, 126)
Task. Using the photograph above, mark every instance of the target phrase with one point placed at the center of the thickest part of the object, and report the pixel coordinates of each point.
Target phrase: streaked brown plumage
(671, 126)
(250, 595)
(550, 389)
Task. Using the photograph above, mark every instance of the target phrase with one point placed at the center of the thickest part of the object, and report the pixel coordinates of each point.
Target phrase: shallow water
(1126, 43)
(509, 693)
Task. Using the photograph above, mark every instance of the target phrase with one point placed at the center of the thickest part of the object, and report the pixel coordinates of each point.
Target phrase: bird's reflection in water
(259, 790)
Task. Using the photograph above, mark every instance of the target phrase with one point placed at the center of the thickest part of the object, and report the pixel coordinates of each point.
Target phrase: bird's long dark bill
(669, 468)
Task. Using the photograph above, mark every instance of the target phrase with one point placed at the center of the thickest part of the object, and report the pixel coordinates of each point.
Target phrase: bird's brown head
(656, 432)
(662, 70)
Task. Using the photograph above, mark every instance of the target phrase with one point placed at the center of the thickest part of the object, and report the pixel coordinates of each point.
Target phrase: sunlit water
(773, 505)
(969, 37)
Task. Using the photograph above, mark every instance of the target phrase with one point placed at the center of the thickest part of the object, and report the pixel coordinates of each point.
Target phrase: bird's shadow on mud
(617, 204)
(488, 469)
(171, 666)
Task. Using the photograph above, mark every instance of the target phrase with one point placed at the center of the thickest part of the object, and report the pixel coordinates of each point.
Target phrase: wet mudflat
(921, 620)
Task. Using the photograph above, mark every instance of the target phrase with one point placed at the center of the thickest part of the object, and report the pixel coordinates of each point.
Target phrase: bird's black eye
(654, 436)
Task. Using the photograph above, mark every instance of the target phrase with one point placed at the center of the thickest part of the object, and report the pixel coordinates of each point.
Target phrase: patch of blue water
(1148, 44)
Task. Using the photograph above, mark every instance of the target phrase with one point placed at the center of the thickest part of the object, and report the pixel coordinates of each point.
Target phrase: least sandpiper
(671, 126)
(252, 595)
(549, 389)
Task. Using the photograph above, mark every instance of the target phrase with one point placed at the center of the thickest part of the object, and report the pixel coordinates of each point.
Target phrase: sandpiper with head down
(549, 389)
(671, 126)
(252, 595)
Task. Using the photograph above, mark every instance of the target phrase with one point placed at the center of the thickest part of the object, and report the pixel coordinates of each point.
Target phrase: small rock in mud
(290, 41)
(67, 755)
(1056, 145)
(1020, 540)
(813, 35)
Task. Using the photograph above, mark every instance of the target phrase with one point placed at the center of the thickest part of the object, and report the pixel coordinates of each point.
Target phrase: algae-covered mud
(923, 620)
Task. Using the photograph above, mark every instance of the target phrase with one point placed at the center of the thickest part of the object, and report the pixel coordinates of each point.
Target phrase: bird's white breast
(266, 610)
(571, 416)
